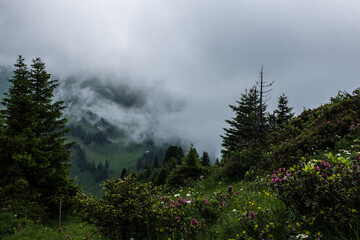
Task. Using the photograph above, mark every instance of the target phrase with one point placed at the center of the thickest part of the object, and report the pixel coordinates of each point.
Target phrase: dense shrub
(126, 210)
(188, 172)
(130, 209)
(240, 162)
(326, 191)
(313, 130)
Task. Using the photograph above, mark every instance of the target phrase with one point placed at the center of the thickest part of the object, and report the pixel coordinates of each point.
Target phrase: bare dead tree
(264, 95)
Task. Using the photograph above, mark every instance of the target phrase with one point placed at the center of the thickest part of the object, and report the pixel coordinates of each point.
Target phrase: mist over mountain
(5, 74)
(173, 67)
(139, 113)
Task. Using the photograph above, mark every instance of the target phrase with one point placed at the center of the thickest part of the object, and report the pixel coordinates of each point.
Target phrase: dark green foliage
(205, 159)
(101, 172)
(128, 209)
(123, 174)
(247, 133)
(34, 149)
(161, 177)
(155, 163)
(188, 172)
(152, 171)
(243, 129)
(327, 127)
(80, 158)
(149, 158)
(240, 162)
(316, 130)
(139, 164)
(10, 222)
(192, 158)
(283, 113)
(98, 138)
(174, 152)
(326, 190)
(171, 164)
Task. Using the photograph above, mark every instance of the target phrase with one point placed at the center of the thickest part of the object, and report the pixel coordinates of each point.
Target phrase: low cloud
(137, 112)
(174, 66)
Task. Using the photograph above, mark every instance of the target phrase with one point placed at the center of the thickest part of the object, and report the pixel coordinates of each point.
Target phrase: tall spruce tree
(18, 125)
(50, 129)
(36, 150)
(205, 159)
(243, 128)
(283, 113)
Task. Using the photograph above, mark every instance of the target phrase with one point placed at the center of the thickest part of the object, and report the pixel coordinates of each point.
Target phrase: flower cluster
(318, 129)
(279, 175)
(326, 189)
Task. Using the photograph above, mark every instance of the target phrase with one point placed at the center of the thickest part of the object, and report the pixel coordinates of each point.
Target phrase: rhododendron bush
(325, 190)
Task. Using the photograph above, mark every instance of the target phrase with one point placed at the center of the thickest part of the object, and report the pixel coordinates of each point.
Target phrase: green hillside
(101, 146)
(280, 177)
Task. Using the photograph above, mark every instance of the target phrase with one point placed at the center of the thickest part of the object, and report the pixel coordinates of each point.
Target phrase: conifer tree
(161, 178)
(35, 150)
(217, 162)
(155, 163)
(205, 159)
(189, 171)
(174, 152)
(244, 126)
(192, 158)
(50, 129)
(283, 113)
(19, 123)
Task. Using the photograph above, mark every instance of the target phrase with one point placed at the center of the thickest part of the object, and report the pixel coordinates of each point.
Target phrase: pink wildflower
(59, 230)
(194, 222)
(252, 214)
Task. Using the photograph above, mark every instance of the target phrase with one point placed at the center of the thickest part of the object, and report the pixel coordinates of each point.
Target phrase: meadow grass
(272, 219)
(70, 229)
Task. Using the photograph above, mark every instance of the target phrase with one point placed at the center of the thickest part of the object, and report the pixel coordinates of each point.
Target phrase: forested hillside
(281, 176)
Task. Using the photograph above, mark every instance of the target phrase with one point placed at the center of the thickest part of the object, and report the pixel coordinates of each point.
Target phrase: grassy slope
(204, 188)
(119, 155)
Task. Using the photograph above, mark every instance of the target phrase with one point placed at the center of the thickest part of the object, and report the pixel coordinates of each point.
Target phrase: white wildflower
(302, 236)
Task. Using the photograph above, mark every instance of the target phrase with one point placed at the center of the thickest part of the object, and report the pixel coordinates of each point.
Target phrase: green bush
(128, 209)
(10, 221)
(241, 162)
(313, 130)
(326, 191)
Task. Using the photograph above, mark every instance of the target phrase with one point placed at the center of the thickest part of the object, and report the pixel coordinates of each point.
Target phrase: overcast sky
(200, 54)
